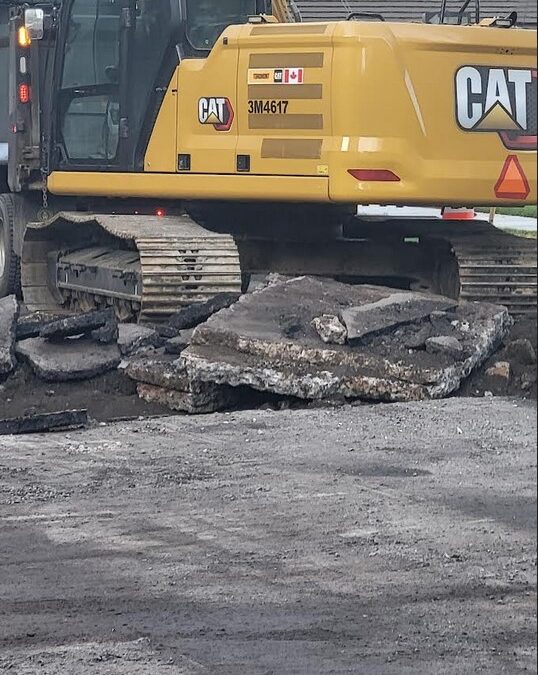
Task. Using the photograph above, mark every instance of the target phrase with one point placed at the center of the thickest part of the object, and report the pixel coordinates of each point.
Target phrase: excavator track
(145, 266)
(491, 265)
(494, 266)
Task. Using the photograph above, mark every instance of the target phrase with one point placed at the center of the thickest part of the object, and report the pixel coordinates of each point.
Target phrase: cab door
(90, 124)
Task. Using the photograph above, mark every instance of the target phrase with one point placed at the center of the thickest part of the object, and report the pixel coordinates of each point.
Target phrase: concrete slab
(266, 342)
(9, 311)
(68, 360)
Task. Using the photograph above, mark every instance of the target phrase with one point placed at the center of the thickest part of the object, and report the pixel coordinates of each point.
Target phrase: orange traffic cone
(465, 213)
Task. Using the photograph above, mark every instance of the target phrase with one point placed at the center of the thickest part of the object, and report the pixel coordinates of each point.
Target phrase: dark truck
(4, 113)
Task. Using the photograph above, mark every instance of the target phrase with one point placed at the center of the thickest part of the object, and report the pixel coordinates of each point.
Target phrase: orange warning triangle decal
(513, 183)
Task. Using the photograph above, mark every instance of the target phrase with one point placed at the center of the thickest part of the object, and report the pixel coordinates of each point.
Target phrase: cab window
(206, 19)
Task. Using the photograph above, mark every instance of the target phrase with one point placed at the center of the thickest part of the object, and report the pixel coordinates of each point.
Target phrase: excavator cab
(102, 72)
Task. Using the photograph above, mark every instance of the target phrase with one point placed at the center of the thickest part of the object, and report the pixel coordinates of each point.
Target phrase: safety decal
(500, 100)
(217, 111)
(261, 76)
(276, 75)
(290, 75)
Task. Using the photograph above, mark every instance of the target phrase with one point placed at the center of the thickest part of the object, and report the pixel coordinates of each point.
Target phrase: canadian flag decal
(293, 76)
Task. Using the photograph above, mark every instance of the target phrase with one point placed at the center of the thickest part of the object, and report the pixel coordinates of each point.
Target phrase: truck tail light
(24, 93)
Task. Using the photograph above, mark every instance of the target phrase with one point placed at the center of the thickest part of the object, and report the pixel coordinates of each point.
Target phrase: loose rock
(213, 399)
(330, 329)
(9, 311)
(134, 338)
(164, 380)
(417, 339)
(520, 351)
(445, 345)
(107, 334)
(497, 378)
(160, 371)
(69, 360)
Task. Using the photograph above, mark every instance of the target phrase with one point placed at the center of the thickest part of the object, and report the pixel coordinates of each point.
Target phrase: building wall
(411, 10)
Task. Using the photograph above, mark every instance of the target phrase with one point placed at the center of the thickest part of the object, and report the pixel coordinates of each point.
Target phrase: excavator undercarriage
(148, 266)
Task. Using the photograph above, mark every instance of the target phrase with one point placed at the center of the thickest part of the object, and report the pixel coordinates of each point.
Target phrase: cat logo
(501, 100)
(216, 111)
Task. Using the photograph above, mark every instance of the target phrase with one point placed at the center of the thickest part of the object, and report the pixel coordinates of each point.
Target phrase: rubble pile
(304, 338)
(399, 346)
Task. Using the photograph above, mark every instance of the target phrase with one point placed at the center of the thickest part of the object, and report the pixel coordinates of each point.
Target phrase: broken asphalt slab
(9, 311)
(80, 324)
(164, 380)
(72, 359)
(44, 423)
(390, 311)
(195, 314)
(31, 325)
(266, 341)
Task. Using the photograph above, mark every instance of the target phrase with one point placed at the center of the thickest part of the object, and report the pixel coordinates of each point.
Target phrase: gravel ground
(371, 539)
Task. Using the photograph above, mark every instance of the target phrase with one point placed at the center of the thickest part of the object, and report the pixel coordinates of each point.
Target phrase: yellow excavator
(163, 151)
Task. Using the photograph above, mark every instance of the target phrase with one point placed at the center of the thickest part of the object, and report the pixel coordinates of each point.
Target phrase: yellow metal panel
(285, 92)
(398, 112)
(290, 29)
(300, 122)
(305, 119)
(291, 60)
(291, 148)
(161, 154)
(211, 151)
(190, 186)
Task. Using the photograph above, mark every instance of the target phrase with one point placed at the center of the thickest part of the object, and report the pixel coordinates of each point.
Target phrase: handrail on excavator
(461, 13)
(286, 11)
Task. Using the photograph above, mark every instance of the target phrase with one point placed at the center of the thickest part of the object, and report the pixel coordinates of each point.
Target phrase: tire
(10, 267)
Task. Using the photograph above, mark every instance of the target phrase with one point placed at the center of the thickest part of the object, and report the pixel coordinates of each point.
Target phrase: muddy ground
(113, 396)
(381, 540)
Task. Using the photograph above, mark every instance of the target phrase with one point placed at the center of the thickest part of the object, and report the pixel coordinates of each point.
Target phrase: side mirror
(34, 22)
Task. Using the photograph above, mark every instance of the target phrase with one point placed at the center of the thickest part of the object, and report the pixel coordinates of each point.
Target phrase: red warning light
(24, 93)
(161, 213)
(513, 183)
